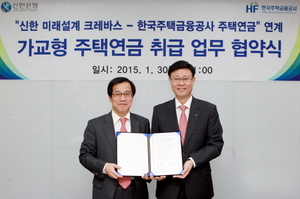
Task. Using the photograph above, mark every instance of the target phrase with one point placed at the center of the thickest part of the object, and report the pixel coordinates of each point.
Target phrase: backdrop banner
(94, 40)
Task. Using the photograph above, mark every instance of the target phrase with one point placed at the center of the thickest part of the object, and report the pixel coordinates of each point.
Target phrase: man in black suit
(98, 152)
(201, 143)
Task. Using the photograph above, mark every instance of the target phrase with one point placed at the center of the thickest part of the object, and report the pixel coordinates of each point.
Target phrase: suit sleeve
(147, 130)
(88, 151)
(154, 122)
(214, 143)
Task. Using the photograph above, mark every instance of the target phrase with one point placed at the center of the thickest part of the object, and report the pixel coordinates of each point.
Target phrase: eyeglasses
(127, 95)
(185, 80)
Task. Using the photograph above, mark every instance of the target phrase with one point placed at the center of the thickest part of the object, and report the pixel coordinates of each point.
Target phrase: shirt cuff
(103, 171)
(191, 159)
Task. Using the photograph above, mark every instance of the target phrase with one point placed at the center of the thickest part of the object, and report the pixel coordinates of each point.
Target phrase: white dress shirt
(187, 112)
(118, 125)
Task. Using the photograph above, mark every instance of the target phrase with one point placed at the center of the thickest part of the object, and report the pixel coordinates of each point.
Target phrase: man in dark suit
(201, 142)
(98, 152)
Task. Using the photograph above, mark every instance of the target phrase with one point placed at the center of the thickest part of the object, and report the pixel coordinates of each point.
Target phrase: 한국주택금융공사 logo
(271, 8)
(252, 8)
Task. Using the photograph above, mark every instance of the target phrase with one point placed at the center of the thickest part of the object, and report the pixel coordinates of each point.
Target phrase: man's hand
(159, 178)
(145, 177)
(151, 177)
(110, 170)
(188, 165)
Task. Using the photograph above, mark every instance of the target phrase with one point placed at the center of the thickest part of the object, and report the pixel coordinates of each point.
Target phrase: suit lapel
(134, 123)
(192, 120)
(109, 131)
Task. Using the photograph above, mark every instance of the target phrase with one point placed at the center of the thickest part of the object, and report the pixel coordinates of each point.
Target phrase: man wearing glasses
(98, 152)
(201, 136)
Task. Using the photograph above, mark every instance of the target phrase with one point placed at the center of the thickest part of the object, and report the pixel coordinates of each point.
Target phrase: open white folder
(142, 153)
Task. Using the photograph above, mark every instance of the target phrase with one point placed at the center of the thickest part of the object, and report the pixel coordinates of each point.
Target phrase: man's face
(182, 82)
(121, 98)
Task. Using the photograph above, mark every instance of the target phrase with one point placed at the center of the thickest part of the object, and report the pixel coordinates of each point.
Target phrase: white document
(140, 153)
(132, 154)
(165, 150)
